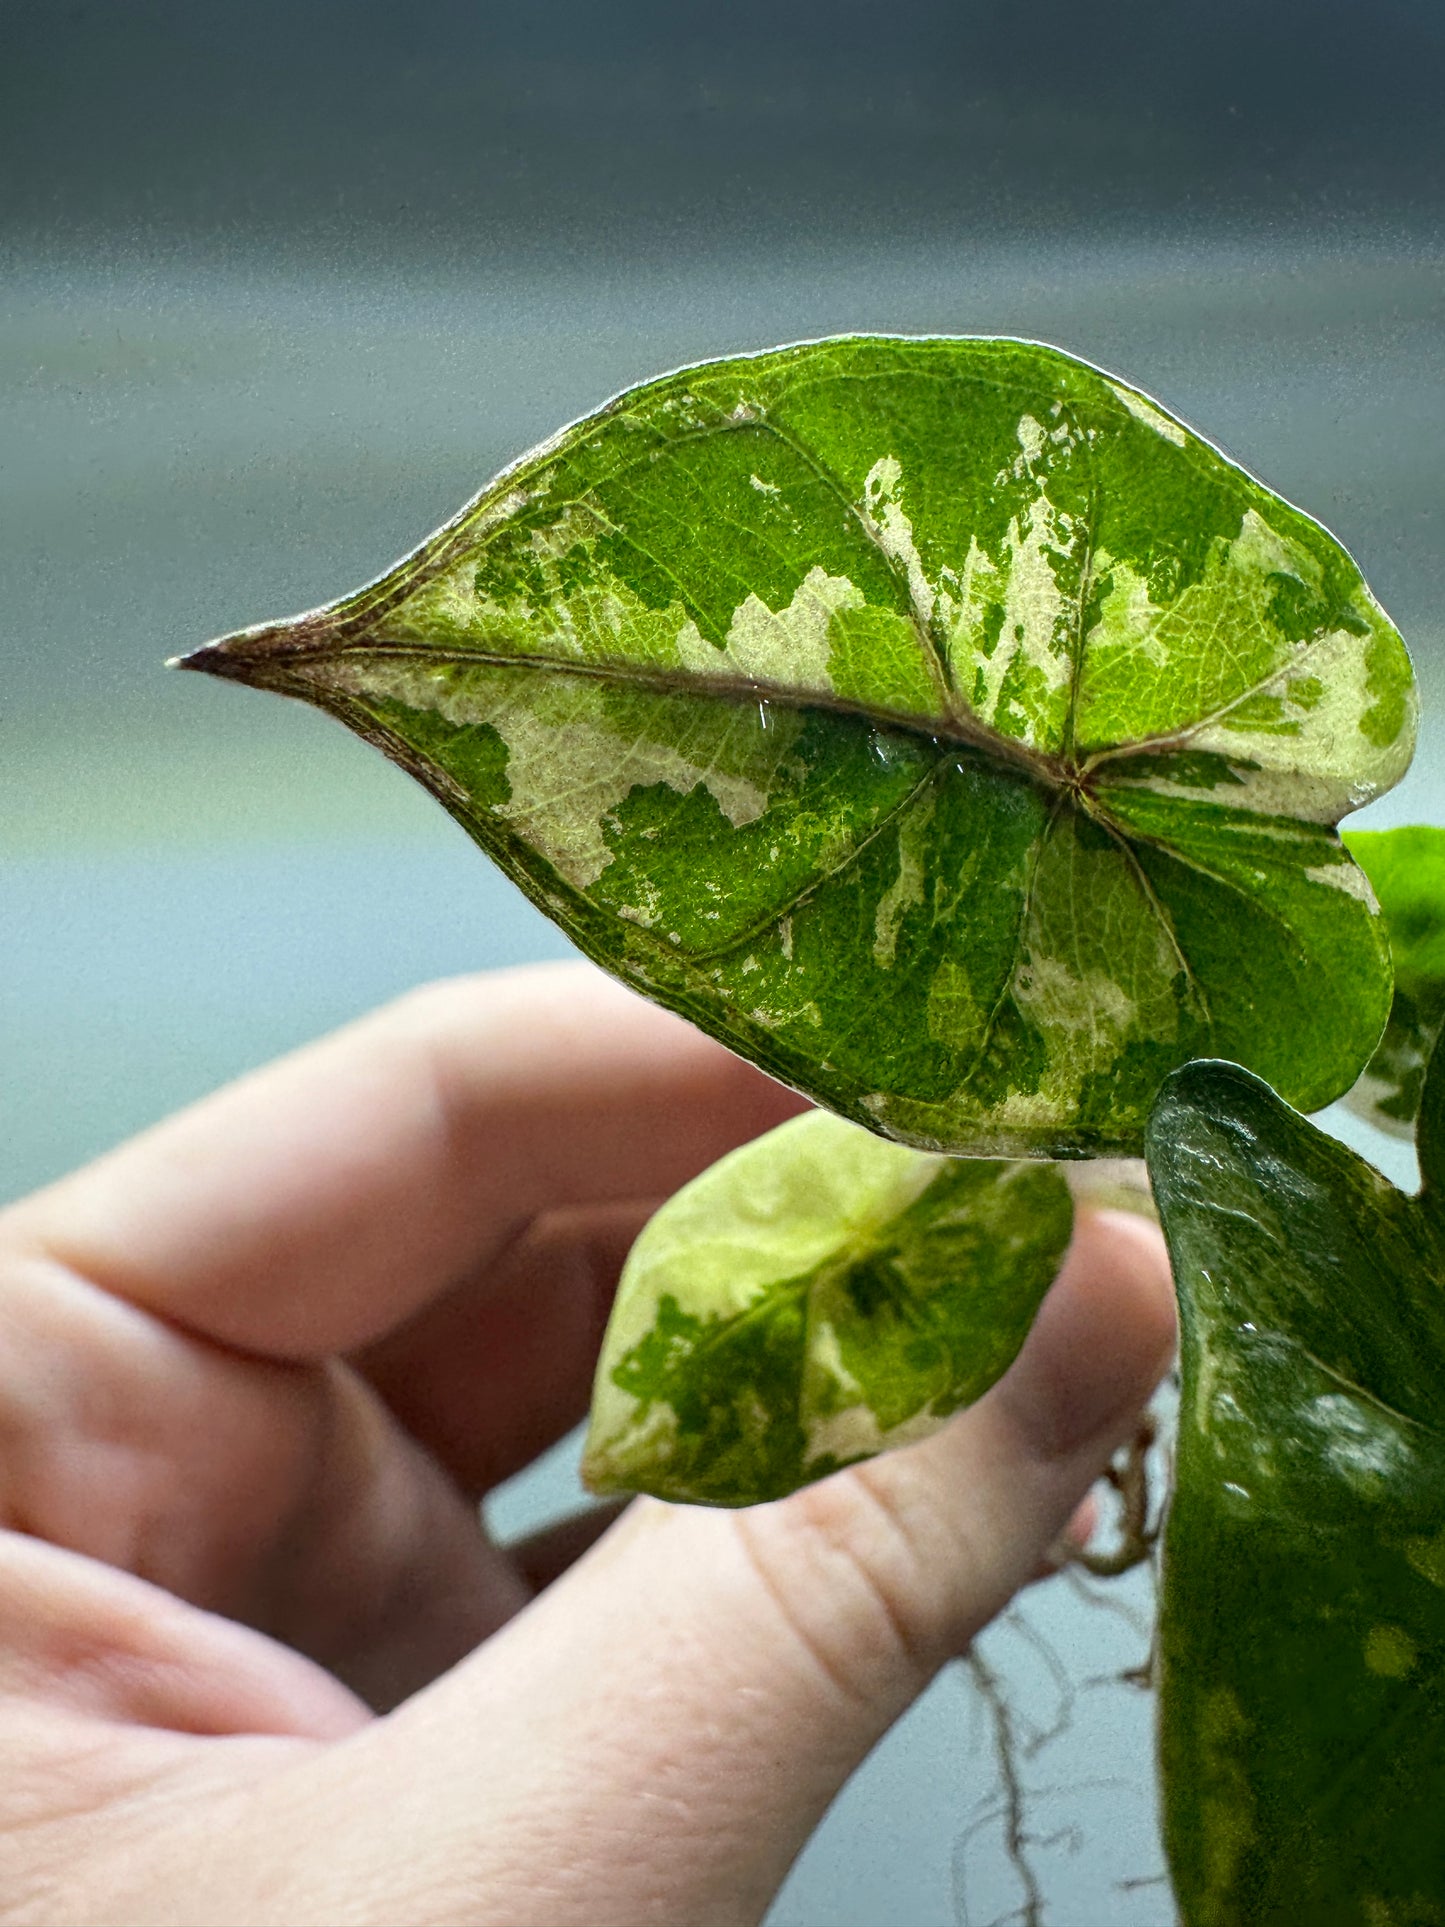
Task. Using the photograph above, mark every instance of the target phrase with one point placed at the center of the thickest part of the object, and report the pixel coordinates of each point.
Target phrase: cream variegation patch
(883, 515)
(1146, 412)
(568, 779)
(1346, 876)
(567, 773)
(1326, 766)
(1053, 994)
(853, 1432)
(1019, 590)
(1127, 615)
(789, 647)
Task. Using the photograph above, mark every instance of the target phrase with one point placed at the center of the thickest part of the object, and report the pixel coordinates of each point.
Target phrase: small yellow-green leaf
(814, 1298)
(1302, 1629)
(1406, 868)
(939, 723)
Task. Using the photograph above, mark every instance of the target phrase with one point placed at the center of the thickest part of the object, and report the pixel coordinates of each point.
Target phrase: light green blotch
(956, 1014)
(876, 661)
(1391, 684)
(1284, 706)
(1427, 1556)
(893, 660)
(459, 604)
(583, 614)
(1217, 640)
(907, 888)
(1053, 995)
(971, 593)
(1265, 714)
(1225, 1803)
(1390, 1652)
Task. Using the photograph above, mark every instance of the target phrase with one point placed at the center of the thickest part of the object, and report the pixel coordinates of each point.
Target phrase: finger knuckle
(850, 1564)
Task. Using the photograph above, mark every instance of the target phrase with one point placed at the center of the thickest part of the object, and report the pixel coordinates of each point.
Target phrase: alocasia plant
(945, 726)
(939, 723)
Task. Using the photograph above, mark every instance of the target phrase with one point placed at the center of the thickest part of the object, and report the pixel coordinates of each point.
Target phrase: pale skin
(259, 1662)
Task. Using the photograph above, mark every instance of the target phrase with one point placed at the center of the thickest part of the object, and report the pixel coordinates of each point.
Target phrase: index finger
(317, 1203)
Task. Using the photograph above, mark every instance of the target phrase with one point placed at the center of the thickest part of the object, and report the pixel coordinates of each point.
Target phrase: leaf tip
(250, 655)
(205, 659)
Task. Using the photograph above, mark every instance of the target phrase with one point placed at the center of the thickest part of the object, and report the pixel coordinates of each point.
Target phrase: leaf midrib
(958, 730)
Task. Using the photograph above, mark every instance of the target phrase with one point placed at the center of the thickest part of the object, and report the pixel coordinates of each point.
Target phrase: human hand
(259, 1663)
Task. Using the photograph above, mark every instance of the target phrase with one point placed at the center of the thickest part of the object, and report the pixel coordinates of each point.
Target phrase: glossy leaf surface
(1406, 867)
(1302, 1634)
(939, 723)
(815, 1297)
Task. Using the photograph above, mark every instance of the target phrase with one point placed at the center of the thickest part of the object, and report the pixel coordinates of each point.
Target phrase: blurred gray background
(281, 285)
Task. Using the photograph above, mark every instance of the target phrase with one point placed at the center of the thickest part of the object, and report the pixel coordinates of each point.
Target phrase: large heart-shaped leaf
(1406, 868)
(1302, 1635)
(812, 1299)
(938, 722)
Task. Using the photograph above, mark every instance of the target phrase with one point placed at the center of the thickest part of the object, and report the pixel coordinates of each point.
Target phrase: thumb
(655, 1738)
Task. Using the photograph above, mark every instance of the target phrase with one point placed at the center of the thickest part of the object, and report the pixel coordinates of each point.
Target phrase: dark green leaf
(939, 723)
(1302, 1636)
(814, 1298)
(1407, 871)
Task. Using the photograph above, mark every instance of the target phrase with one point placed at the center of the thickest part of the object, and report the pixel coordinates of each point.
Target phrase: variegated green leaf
(1302, 1632)
(1407, 870)
(939, 723)
(812, 1299)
